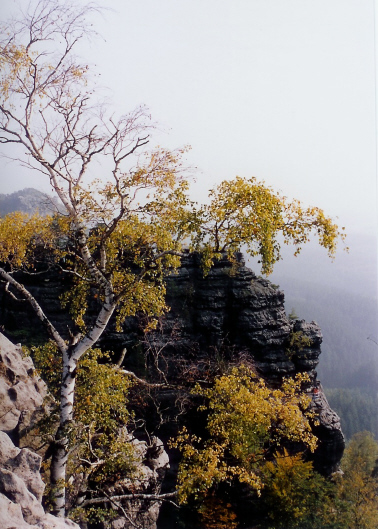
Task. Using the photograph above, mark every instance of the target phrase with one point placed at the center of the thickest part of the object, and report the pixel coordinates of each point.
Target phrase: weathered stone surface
(21, 390)
(233, 310)
(21, 486)
(23, 463)
(329, 433)
(11, 515)
(152, 464)
(16, 491)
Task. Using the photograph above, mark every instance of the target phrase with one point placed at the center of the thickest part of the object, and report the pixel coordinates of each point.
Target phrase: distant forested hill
(348, 365)
(27, 200)
(348, 321)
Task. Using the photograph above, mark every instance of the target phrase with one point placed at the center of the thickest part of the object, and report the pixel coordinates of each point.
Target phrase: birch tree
(113, 245)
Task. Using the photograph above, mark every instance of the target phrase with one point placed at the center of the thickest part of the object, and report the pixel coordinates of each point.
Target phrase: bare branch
(11, 293)
(141, 381)
(116, 504)
(37, 309)
(151, 497)
(121, 357)
(76, 274)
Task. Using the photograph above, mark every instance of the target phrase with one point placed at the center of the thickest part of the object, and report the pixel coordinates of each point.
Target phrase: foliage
(294, 493)
(357, 409)
(295, 496)
(247, 422)
(297, 342)
(22, 238)
(217, 514)
(362, 451)
(138, 250)
(100, 446)
(355, 504)
(293, 315)
(246, 212)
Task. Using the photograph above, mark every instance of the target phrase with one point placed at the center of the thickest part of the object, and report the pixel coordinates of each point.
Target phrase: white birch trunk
(67, 394)
(71, 356)
(61, 442)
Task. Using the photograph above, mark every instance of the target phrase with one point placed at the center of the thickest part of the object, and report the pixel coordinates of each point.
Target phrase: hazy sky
(283, 90)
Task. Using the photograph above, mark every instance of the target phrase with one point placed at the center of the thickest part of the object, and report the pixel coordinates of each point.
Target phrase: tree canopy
(245, 213)
(247, 422)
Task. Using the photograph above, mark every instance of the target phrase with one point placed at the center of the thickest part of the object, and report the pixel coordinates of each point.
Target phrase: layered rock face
(236, 308)
(228, 309)
(21, 487)
(228, 315)
(233, 315)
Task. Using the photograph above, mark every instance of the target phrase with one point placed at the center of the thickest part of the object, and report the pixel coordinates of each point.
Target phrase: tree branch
(141, 381)
(151, 497)
(37, 309)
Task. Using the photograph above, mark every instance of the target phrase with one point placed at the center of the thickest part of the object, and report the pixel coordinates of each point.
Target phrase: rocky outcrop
(228, 312)
(328, 431)
(22, 396)
(230, 315)
(21, 392)
(226, 316)
(21, 399)
(233, 313)
(235, 309)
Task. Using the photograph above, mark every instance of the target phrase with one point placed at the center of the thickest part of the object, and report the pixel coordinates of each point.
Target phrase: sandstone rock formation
(22, 394)
(21, 486)
(227, 310)
(329, 433)
(227, 316)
